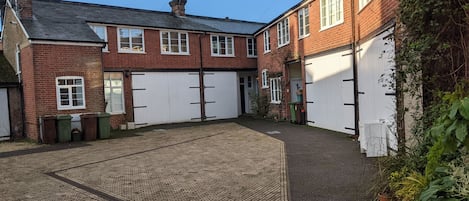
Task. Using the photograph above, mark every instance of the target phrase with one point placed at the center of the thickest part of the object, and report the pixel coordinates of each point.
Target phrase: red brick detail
(42, 64)
(374, 15)
(152, 59)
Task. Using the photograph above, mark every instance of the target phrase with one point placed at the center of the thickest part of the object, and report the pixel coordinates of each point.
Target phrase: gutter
(355, 73)
(203, 116)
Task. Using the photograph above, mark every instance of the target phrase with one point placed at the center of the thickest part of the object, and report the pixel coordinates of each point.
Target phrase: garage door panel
(165, 97)
(4, 114)
(375, 64)
(221, 95)
(330, 92)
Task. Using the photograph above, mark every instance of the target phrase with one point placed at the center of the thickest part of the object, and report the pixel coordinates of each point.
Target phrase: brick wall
(16, 112)
(152, 59)
(52, 61)
(374, 16)
(29, 93)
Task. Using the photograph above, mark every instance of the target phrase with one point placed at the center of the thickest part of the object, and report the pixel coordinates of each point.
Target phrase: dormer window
(101, 31)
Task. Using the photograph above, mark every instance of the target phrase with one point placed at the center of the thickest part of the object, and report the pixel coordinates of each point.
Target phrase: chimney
(24, 8)
(178, 7)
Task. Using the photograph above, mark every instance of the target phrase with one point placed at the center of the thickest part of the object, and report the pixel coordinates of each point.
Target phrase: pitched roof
(67, 21)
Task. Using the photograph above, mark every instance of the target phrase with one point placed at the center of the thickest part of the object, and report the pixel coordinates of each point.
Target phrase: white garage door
(173, 97)
(4, 114)
(165, 97)
(329, 91)
(375, 65)
(221, 95)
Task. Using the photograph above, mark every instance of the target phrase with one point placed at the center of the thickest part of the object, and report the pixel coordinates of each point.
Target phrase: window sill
(71, 108)
(331, 26)
(267, 52)
(175, 54)
(130, 52)
(276, 103)
(283, 45)
(305, 36)
(116, 113)
(230, 56)
(252, 57)
(265, 87)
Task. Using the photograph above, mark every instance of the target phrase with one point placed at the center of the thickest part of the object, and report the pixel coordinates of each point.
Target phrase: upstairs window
(303, 22)
(101, 31)
(252, 47)
(283, 29)
(363, 3)
(265, 82)
(174, 43)
(222, 46)
(275, 90)
(332, 13)
(131, 40)
(266, 41)
(114, 92)
(70, 93)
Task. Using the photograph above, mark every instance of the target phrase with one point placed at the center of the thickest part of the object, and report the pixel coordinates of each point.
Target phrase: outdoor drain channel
(105, 195)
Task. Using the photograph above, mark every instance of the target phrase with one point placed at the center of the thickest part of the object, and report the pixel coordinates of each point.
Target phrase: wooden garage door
(173, 97)
(329, 92)
(165, 97)
(4, 114)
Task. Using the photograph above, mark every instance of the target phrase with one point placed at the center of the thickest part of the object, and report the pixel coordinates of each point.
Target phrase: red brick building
(146, 67)
(338, 54)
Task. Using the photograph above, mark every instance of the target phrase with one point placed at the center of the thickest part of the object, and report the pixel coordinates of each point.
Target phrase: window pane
(101, 32)
(214, 45)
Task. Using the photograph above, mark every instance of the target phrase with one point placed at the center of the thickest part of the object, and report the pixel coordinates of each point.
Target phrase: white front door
(4, 114)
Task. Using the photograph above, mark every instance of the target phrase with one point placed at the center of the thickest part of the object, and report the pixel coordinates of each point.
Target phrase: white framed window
(131, 40)
(266, 41)
(101, 31)
(332, 13)
(283, 29)
(252, 47)
(174, 42)
(363, 3)
(303, 22)
(222, 45)
(114, 92)
(275, 90)
(265, 77)
(70, 93)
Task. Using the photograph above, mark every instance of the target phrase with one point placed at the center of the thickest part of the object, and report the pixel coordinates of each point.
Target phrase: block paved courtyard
(215, 161)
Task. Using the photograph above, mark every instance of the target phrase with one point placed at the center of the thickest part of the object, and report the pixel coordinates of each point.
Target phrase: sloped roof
(67, 21)
(7, 75)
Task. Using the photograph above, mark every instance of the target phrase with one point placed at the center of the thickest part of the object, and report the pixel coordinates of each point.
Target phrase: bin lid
(104, 114)
(64, 117)
(49, 117)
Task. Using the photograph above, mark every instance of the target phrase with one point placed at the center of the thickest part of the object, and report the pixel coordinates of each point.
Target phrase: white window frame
(330, 9)
(130, 50)
(363, 3)
(267, 42)
(111, 87)
(70, 95)
(303, 22)
(265, 79)
(283, 32)
(218, 46)
(180, 38)
(276, 90)
(105, 48)
(253, 49)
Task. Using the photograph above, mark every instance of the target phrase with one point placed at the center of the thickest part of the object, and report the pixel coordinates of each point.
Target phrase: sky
(249, 10)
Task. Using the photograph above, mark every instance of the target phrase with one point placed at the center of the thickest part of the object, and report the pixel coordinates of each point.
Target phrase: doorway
(4, 114)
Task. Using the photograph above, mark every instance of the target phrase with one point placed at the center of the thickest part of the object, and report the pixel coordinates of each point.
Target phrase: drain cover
(273, 132)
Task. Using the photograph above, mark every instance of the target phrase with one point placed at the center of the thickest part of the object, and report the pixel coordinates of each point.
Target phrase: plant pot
(384, 197)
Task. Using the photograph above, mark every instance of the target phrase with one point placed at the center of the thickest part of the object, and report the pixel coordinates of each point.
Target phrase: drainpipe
(203, 117)
(355, 71)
